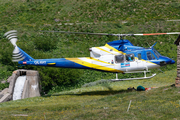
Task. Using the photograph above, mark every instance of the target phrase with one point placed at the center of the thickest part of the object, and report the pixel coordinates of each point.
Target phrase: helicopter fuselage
(117, 56)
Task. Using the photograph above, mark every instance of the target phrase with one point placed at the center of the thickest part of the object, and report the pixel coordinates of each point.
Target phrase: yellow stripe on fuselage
(99, 60)
(149, 62)
(51, 64)
(90, 65)
(108, 46)
(105, 50)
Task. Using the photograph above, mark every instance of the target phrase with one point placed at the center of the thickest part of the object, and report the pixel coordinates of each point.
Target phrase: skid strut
(145, 77)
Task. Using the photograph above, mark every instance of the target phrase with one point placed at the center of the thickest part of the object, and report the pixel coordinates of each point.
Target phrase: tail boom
(61, 62)
(77, 63)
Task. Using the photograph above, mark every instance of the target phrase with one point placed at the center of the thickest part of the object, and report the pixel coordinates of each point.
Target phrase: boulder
(6, 90)
(1, 95)
(9, 79)
(6, 97)
(3, 81)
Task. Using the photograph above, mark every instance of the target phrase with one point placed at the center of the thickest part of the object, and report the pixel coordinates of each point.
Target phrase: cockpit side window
(150, 56)
(156, 53)
(139, 56)
(129, 57)
(153, 57)
(119, 58)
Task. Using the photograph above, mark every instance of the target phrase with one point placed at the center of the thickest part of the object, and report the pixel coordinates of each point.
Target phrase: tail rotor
(17, 54)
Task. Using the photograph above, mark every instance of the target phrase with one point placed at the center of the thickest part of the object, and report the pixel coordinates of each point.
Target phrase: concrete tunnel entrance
(31, 86)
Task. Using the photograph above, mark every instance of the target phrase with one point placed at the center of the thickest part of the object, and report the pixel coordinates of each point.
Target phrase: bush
(6, 50)
(46, 42)
(3, 85)
(51, 77)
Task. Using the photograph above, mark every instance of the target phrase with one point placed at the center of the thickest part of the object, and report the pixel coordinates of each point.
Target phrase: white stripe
(138, 34)
(173, 33)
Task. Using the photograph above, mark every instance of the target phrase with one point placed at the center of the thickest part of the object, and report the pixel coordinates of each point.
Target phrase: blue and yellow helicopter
(119, 56)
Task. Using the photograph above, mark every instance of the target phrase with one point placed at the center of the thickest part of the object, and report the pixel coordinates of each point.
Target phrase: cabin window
(129, 57)
(156, 53)
(153, 57)
(119, 58)
(139, 56)
(150, 56)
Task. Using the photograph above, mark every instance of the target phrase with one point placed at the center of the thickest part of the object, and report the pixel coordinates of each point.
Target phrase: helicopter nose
(172, 62)
(165, 60)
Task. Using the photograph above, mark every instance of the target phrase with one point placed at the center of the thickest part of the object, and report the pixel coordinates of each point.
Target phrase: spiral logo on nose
(17, 54)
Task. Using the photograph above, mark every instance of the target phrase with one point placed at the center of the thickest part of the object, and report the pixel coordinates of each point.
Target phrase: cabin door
(130, 62)
(140, 61)
(126, 62)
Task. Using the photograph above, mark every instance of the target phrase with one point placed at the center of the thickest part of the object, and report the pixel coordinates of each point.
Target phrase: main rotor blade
(119, 35)
(82, 33)
(171, 33)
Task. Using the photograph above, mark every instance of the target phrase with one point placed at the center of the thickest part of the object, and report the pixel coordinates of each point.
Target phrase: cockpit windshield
(156, 52)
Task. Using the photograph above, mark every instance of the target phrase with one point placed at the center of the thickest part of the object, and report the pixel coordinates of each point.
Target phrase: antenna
(148, 44)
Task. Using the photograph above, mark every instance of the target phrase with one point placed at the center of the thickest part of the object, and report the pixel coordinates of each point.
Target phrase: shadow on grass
(104, 83)
(105, 92)
(100, 92)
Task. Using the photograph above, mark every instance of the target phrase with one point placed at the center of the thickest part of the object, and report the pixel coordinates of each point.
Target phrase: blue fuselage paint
(61, 62)
(127, 47)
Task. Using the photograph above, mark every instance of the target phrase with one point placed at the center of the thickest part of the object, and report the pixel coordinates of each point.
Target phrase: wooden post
(177, 83)
(177, 43)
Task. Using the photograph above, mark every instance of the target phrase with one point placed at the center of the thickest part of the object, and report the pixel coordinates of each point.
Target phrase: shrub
(45, 42)
(51, 77)
(6, 50)
(3, 85)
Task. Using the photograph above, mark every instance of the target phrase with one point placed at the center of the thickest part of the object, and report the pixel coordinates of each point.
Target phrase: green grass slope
(30, 17)
(103, 101)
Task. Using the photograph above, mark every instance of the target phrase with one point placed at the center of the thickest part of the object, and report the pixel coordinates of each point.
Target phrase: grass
(29, 17)
(103, 101)
(160, 80)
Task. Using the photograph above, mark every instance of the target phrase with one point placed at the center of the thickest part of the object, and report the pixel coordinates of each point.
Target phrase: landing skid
(134, 78)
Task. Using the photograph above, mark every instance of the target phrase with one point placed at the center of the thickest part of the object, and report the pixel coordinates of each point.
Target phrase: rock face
(2, 93)
(31, 86)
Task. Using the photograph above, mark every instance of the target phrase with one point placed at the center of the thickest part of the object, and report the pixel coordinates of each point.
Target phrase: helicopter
(119, 56)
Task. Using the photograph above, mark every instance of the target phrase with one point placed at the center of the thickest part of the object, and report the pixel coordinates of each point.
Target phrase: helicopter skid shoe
(145, 77)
